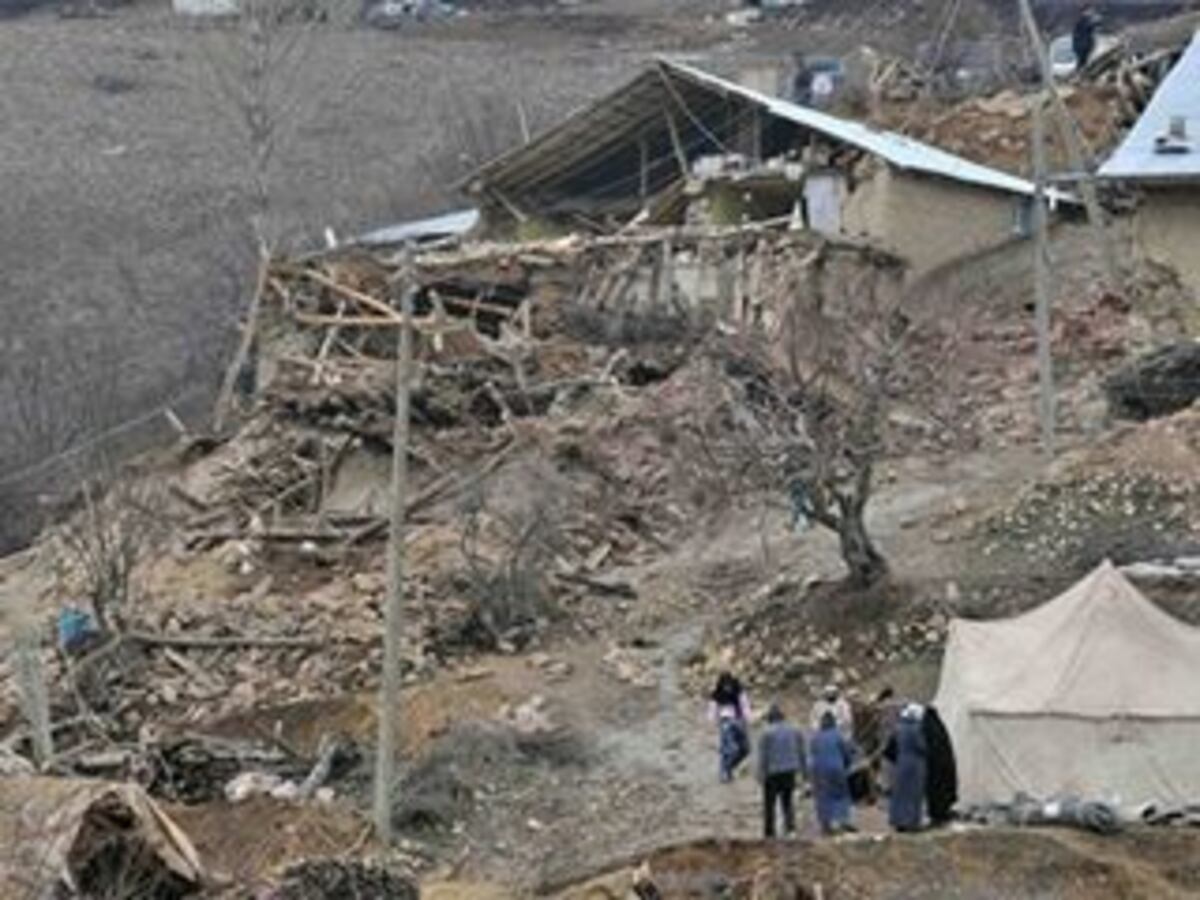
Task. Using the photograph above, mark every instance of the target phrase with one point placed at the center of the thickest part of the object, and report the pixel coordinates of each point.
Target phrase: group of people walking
(903, 751)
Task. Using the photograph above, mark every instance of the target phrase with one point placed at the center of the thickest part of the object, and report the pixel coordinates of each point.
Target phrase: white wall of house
(824, 199)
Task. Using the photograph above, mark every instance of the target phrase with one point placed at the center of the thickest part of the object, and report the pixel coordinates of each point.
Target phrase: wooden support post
(677, 144)
(667, 272)
(1041, 268)
(249, 327)
(643, 167)
(756, 136)
(389, 687)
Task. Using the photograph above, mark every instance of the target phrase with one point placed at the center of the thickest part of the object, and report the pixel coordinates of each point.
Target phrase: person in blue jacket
(830, 756)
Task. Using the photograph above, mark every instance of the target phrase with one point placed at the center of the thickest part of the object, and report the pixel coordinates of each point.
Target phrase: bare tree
(105, 541)
(508, 550)
(476, 128)
(258, 63)
(805, 407)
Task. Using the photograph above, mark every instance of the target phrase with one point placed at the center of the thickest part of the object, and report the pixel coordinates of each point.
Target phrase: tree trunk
(866, 564)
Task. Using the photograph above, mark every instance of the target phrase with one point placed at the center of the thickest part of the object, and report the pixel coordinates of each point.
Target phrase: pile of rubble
(543, 385)
(996, 130)
(782, 639)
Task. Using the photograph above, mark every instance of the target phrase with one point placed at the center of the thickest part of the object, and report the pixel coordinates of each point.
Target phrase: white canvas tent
(1095, 694)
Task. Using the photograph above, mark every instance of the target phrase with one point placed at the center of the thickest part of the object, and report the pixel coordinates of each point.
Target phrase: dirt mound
(1132, 496)
(1076, 522)
(1169, 446)
(973, 864)
(469, 764)
(248, 843)
(996, 130)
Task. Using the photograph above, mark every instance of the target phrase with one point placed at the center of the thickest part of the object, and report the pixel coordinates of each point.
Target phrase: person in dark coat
(729, 707)
(1083, 37)
(906, 805)
(941, 779)
(830, 758)
(780, 759)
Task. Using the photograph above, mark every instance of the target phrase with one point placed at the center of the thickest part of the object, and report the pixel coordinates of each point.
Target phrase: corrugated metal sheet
(451, 224)
(610, 123)
(1178, 95)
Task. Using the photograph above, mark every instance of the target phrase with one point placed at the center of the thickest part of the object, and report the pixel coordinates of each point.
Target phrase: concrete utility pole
(1041, 267)
(389, 687)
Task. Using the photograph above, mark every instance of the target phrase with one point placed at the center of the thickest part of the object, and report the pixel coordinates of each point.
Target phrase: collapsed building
(1161, 156)
(677, 145)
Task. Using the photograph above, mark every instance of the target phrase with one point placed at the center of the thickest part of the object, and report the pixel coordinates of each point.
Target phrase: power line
(120, 428)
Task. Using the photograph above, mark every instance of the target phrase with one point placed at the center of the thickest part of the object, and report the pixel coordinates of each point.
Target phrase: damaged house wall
(1161, 156)
(928, 221)
(679, 146)
(1167, 231)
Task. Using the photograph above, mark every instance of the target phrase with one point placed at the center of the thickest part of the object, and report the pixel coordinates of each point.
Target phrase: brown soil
(247, 843)
(966, 866)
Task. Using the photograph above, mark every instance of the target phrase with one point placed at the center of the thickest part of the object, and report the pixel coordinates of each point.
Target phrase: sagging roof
(705, 112)
(1141, 157)
(901, 151)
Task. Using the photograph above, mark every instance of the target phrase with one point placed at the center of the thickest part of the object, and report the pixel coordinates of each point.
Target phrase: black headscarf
(728, 691)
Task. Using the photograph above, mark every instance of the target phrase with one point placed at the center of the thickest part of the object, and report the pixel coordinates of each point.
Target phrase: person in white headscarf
(833, 703)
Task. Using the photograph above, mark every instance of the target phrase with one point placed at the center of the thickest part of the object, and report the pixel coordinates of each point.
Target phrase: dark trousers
(735, 747)
(780, 789)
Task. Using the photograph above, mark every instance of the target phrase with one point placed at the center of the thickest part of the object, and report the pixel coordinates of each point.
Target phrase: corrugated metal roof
(594, 131)
(901, 151)
(1178, 95)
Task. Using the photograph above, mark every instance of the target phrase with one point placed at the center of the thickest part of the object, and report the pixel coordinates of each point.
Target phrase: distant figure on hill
(906, 751)
(780, 758)
(832, 755)
(834, 703)
(1083, 37)
(941, 782)
(729, 708)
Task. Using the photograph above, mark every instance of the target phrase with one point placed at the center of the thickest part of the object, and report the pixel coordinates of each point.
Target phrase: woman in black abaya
(941, 782)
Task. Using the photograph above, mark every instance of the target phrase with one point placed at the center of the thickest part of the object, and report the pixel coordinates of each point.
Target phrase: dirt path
(679, 745)
(663, 743)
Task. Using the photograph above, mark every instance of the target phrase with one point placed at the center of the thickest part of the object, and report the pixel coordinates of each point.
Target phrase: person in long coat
(906, 805)
(830, 756)
(941, 780)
